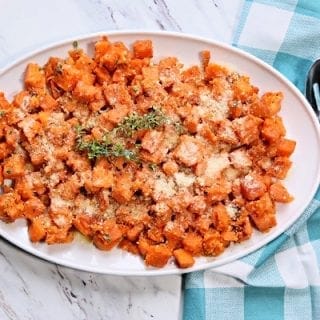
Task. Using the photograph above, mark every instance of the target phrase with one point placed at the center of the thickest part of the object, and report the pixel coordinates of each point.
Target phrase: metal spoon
(312, 87)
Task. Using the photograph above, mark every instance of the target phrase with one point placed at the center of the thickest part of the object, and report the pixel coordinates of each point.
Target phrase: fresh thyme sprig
(134, 122)
(96, 149)
(107, 147)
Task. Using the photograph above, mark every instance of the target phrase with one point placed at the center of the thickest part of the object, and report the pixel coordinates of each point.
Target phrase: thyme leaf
(153, 166)
(75, 44)
(58, 69)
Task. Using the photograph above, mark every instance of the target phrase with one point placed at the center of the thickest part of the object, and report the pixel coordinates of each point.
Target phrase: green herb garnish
(75, 45)
(153, 166)
(135, 89)
(135, 122)
(180, 129)
(108, 147)
(59, 68)
(107, 237)
(2, 113)
(105, 148)
(80, 130)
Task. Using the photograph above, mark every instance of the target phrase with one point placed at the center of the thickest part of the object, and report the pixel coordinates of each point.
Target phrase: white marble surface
(34, 289)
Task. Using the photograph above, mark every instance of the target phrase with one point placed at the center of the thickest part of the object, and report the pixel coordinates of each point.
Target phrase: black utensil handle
(313, 77)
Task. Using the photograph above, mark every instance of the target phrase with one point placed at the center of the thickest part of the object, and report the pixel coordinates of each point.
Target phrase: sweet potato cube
(262, 206)
(262, 212)
(109, 236)
(280, 167)
(36, 230)
(134, 232)
(242, 89)
(170, 167)
(252, 187)
(58, 235)
(122, 190)
(213, 244)
(192, 242)
(247, 128)
(221, 217)
(264, 223)
(13, 166)
(285, 147)
(4, 103)
(143, 49)
(11, 207)
(273, 129)
(115, 54)
(214, 70)
(34, 78)
(101, 47)
(271, 102)
(83, 223)
(87, 93)
(279, 193)
(102, 177)
(48, 103)
(157, 255)
(183, 258)
(33, 207)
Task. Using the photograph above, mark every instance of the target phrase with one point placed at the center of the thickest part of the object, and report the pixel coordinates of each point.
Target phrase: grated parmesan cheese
(232, 210)
(216, 163)
(53, 179)
(217, 109)
(88, 207)
(7, 183)
(240, 159)
(183, 180)
(60, 220)
(164, 188)
(58, 202)
(110, 212)
(231, 173)
(47, 146)
(56, 118)
(27, 126)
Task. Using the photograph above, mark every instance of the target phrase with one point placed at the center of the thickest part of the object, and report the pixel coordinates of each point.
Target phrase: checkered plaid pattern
(281, 281)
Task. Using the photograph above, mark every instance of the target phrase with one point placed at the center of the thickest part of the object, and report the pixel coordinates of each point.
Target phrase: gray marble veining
(35, 289)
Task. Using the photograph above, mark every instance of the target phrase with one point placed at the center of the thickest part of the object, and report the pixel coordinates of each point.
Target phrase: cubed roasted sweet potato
(192, 242)
(157, 255)
(14, 166)
(183, 258)
(37, 230)
(34, 77)
(279, 193)
(143, 49)
(273, 129)
(108, 236)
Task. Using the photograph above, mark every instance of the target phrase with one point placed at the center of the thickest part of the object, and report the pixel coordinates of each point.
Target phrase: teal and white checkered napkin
(282, 279)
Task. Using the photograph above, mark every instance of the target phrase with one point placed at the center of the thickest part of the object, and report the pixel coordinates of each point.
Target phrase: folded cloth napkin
(281, 280)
